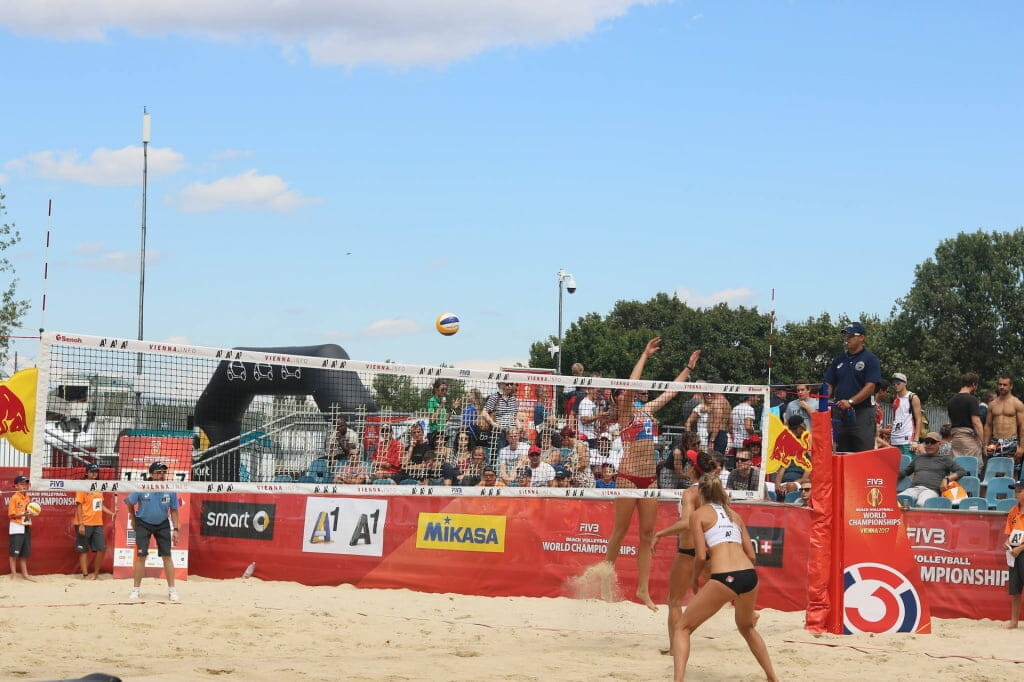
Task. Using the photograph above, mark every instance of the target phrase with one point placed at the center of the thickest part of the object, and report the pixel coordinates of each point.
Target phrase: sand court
(62, 626)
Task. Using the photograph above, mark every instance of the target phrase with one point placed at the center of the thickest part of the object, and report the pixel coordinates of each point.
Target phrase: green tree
(12, 309)
(964, 312)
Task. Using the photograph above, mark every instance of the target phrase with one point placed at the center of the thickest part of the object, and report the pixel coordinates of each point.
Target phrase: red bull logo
(18, 408)
(12, 413)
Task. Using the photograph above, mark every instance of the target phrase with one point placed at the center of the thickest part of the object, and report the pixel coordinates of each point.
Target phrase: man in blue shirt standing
(154, 514)
(851, 378)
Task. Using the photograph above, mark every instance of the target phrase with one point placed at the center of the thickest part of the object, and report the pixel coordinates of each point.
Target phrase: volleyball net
(311, 420)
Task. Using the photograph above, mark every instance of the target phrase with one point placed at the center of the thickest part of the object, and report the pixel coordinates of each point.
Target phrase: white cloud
(336, 32)
(226, 154)
(3, 179)
(106, 167)
(730, 297)
(94, 258)
(391, 326)
(248, 189)
(89, 248)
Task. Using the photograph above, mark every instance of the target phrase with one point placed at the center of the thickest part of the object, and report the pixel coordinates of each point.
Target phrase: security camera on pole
(566, 279)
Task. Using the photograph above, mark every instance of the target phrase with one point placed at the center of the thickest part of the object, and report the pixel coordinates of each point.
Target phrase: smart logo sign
(237, 520)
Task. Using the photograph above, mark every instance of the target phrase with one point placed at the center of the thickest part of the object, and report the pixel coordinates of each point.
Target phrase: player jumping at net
(638, 469)
(680, 577)
(720, 537)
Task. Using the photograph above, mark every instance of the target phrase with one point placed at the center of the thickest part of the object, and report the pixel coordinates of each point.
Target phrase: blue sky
(346, 171)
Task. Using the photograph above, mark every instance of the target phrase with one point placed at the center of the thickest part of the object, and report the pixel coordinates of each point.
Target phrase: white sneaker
(172, 594)
(134, 593)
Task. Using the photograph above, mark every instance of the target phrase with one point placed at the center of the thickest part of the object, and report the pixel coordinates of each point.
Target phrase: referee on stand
(851, 378)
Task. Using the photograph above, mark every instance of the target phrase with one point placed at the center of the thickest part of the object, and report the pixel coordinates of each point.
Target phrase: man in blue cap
(851, 378)
(154, 514)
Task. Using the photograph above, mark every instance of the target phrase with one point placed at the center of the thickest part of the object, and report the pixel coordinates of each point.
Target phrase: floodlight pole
(563, 277)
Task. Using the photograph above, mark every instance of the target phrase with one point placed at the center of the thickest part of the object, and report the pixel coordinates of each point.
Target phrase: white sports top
(724, 530)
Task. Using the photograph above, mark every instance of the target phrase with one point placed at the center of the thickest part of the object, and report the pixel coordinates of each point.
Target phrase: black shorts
(689, 551)
(91, 541)
(20, 544)
(1017, 575)
(739, 582)
(161, 533)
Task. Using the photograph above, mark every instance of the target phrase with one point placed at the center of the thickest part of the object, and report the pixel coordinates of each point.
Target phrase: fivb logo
(344, 526)
(878, 598)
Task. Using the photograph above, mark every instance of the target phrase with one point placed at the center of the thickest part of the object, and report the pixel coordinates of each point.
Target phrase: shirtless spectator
(512, 455)
(1004, 428)
(965, 419)
(804, 405)
(719, 416)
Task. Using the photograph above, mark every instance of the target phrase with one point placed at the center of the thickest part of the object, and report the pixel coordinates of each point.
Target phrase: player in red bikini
(638, 469)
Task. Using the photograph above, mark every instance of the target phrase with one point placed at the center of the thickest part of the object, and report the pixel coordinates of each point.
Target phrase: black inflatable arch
(234, 384)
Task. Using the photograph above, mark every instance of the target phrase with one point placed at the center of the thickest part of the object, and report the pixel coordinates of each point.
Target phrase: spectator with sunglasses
(805, 495)
(745, 476)
(387, 456)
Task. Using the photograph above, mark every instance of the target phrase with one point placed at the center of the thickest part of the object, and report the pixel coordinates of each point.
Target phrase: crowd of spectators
(491, 442)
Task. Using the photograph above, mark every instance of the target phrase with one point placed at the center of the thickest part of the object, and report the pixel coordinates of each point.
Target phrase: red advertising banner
(490, 546)
(53, 532)
(497, 546)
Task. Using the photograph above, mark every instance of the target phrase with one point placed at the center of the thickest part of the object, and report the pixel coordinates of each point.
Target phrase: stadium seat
(997, 467)
(905, 500)
(284, 478)
(999, 488)
(243, 473)
(306, 478)
(318, 469)
(968, 463)
(1005, 505)
(383, 481)
(904, 483)
(408, 481)
(971, 484)
(937, 503)
(792, 496)
(973, 504)
(905, 461)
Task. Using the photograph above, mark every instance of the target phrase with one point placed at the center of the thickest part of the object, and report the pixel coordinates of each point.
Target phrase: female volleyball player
(720, 537)
(681, 575)
(638, 469)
